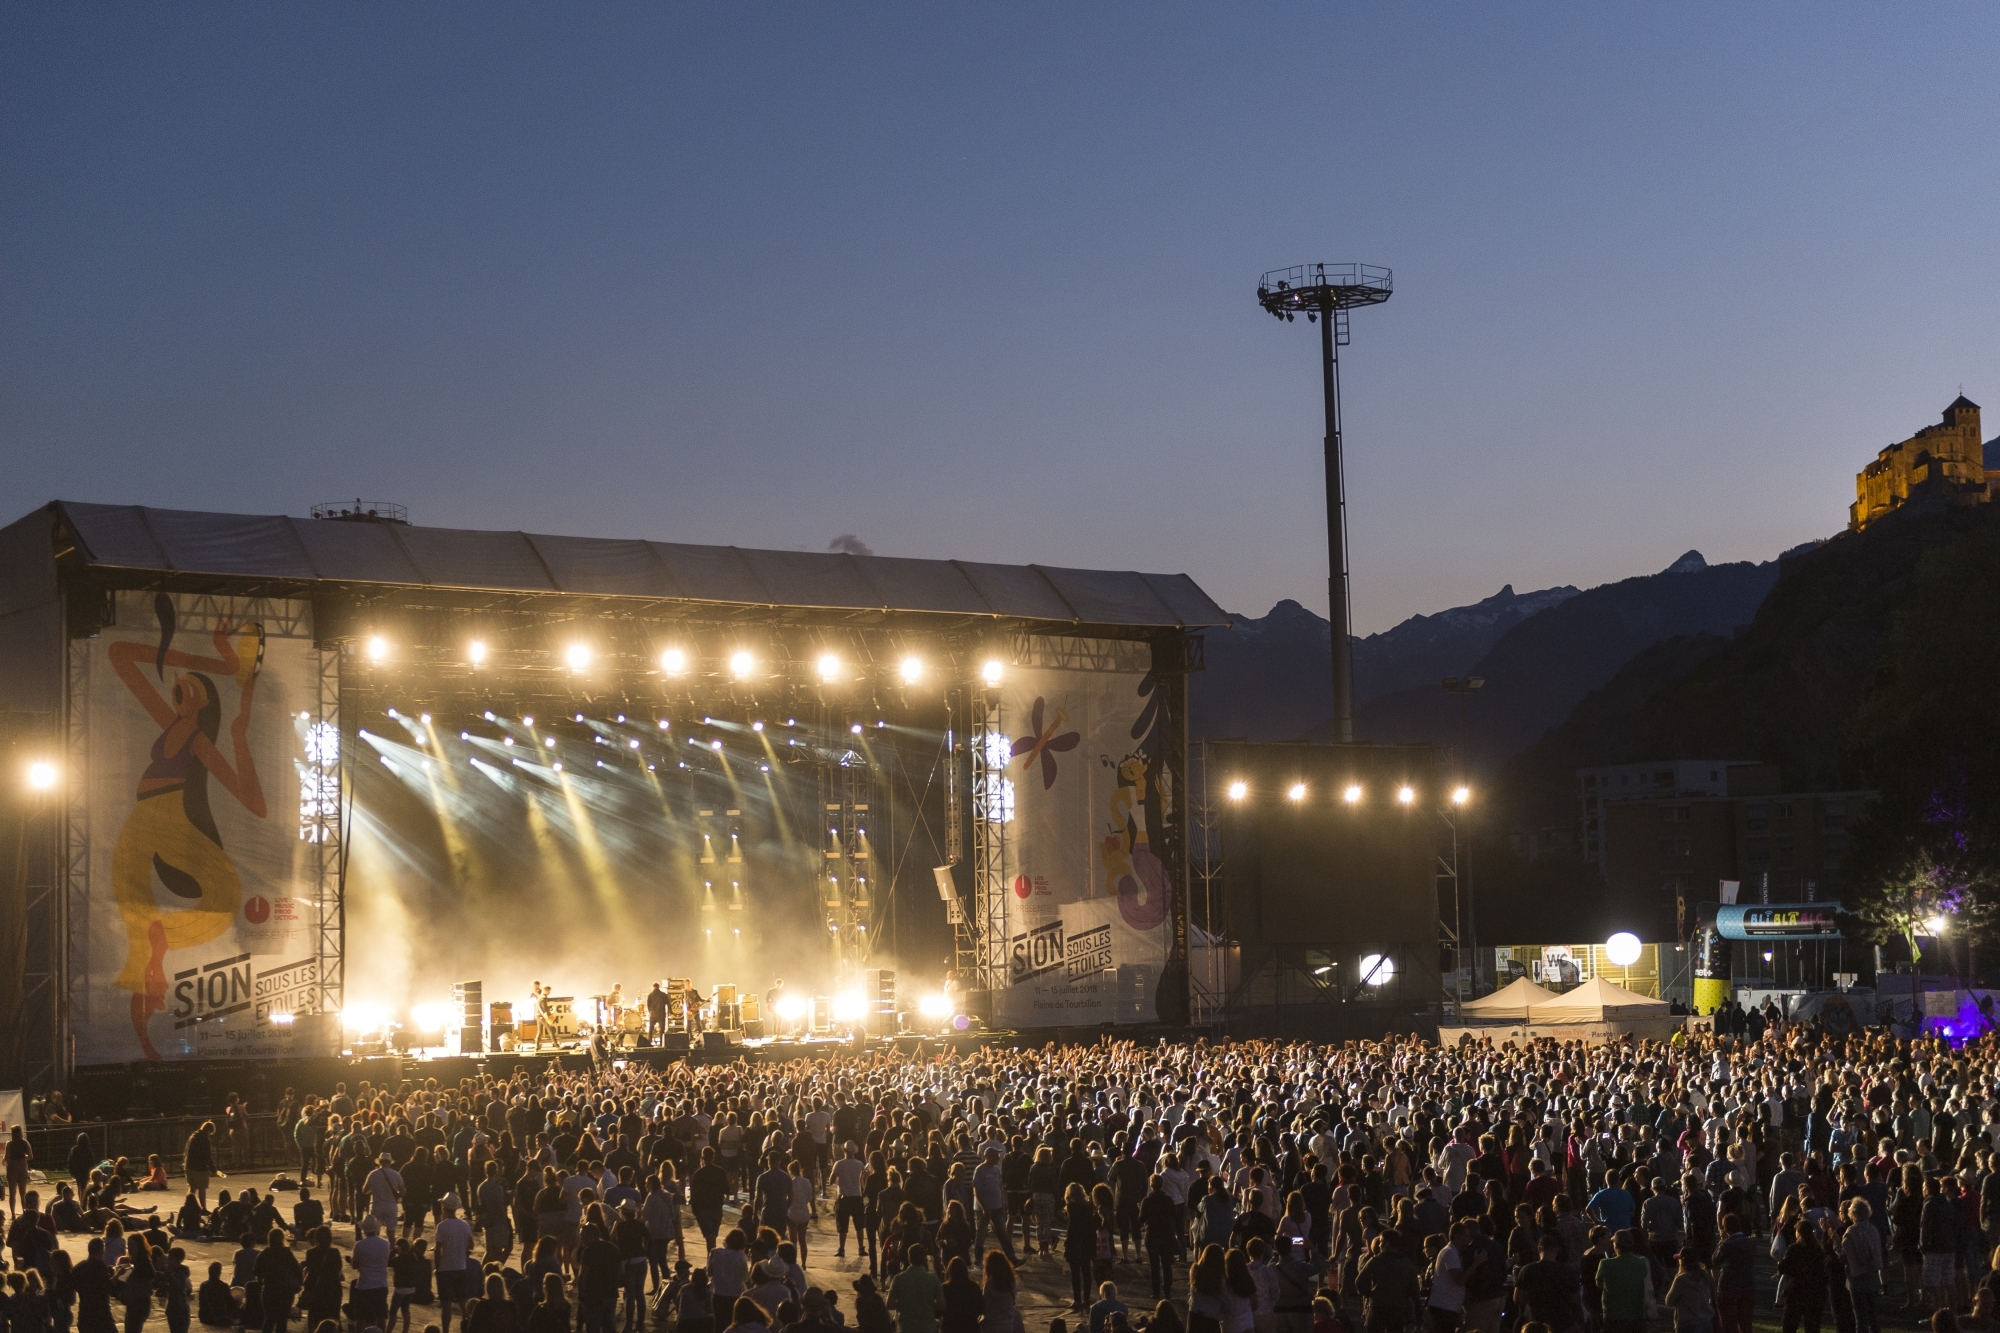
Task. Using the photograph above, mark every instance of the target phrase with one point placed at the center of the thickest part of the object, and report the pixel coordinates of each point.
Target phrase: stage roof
(345, 552)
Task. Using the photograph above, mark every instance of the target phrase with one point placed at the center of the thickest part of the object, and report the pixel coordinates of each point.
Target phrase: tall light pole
(1324, 293)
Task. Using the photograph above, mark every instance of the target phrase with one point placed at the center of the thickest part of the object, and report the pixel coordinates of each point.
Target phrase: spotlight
(1405, 795)
(740, 663)
(549, 741)
(378, 648)
(934, 1006)
(1238, 790)
(856, 728)
(715, 745)
(763, 768)
(632, 744)
(665, 725)
(558, 765)
(424, 718)
(1297, 791)
(579, 717)
(912, 670)
(621, 719)
(673, 661)
(992, 671)
(791, 1008)
(1353, 794)
(1460, 795)
(488, 715)
(475, 653)
(508, 741)
(281, 1020)
(756, 726)
(1623, 948)
(829, 668)
(849, 1007)
(527, 722)
(1935, 924)
(465, 735)
(41, 775)
(1377, 969)
(578, 656)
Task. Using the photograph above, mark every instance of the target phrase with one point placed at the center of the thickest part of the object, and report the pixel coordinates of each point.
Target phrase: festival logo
(1045, 744)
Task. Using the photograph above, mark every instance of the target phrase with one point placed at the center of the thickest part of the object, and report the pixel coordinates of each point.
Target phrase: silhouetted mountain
(1268, 677)
(1542, 668)
(1782, 691)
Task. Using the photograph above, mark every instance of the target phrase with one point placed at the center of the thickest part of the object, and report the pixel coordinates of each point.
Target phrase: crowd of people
(1253, 1187)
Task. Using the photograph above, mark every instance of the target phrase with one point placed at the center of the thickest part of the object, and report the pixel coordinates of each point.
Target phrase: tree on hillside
(1928, 738)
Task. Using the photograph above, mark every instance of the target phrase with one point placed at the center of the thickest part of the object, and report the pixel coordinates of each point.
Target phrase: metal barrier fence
(270, 1144)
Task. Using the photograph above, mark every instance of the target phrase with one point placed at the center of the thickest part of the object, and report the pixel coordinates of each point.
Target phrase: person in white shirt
(384, 1188)
(371, 1266)
(456, 1278)
(850, 1174)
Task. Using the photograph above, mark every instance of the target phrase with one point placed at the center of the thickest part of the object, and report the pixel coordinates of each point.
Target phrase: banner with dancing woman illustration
(1088, 788)
(196, 921)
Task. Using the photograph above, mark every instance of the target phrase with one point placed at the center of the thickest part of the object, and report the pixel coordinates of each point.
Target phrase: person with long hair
(171, 836)
(20, 1158)
(1239, 1293)
(1001, 1311)
(1079, 1242)
(1205, 1278)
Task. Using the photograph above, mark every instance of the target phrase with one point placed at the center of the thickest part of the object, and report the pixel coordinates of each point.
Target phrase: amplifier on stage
(471, 1007)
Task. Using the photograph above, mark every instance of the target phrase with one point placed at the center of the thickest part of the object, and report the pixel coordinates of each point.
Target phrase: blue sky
(979, 282)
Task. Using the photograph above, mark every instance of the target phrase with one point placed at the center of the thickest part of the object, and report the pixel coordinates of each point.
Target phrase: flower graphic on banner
(1045, 742)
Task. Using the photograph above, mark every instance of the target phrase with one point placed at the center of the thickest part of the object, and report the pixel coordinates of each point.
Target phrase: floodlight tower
(1324, 293)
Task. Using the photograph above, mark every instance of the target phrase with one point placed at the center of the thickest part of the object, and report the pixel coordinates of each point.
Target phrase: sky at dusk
(978, 282)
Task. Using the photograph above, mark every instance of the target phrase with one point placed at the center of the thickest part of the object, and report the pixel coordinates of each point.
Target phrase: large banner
(1089, 791)
(201, 758)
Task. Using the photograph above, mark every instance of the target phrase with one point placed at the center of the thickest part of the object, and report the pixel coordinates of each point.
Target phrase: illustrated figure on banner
(1132, 873)
(170, 840)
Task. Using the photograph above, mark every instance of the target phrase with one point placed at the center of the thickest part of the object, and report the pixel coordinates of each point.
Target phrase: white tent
(1510, 1002)
(1597, 1001)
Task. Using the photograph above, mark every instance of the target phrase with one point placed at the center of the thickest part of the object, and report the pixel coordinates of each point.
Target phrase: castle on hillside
(1938, 466)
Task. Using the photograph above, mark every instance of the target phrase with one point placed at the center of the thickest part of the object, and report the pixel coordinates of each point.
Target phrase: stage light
(632, 744)
(558, 766)
(1622, 948)
(912, 670)
(424, 718)
(488, 715)
(673, 661)
(879, 724)
(829, 667)
(1238, 790)
(756, 726)
(849, 1007)
(527, 722)
(281, 1020)
(792, 1008)
(41, 775)
(378, 648)
(934, 1006)
(465, 735)
(430, 1017)
(1405, 795)
(1353, 794)
(549, 741)
(763, 768)
(1460, 795)
(715, 745)
(1377, 970)
(621, 719)
(1296, 792)
(992, 671)
(740, 663)
(475, 653)
(856, 728)
(363, 1017)
(665, 725)
(508, 741)
(579, 717)
(791, 722)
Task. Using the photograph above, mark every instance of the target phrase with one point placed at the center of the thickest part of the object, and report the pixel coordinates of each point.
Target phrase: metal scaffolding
(992, 810)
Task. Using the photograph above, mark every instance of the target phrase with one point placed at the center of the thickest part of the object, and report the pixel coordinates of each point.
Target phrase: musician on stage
(542, 1010)
(656, 1013)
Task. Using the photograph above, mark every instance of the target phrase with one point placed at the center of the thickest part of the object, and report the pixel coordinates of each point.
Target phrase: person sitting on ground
(191, 1221)
(66, 1212)
(216, 1305)
(308, 1214)
(156, 1174)
(1107, 1305)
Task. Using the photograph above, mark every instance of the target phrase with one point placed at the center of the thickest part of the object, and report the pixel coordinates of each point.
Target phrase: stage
(336, 770)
